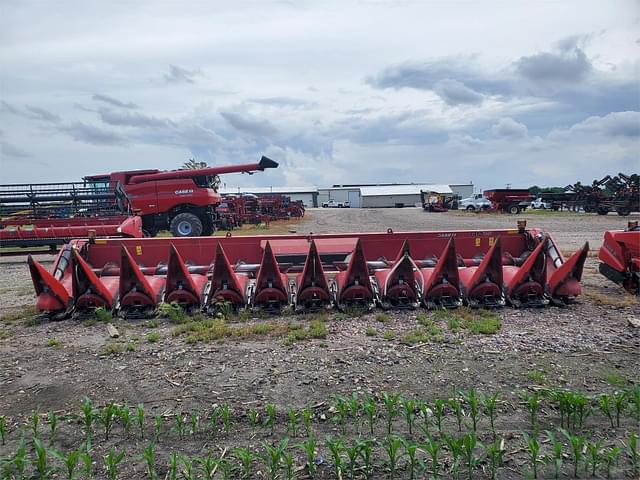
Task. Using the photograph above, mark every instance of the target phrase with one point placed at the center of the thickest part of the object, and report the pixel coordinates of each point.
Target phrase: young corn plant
(3, 429)
(19, 460)
(106, 417)
(472, 399)
(274, 455)
(186, 470)
(180, 424)
(158, 430)
(633, 452)
(454, 445)
(456, 406)
(354, 409)
(619, 401)
(577, 444)
(289, 465)
(411, 449)
(370, 410)
(490, 403)
(124, 414)
(246, 458)
(604, 403)
(353, 453)
(633, 394)
(53, 425)
(253, 419)
(392, 447)
(70, 462)
(341, 408)
(469, 444)
(594, 449)
(294, 422)
(533, 446)
(391, 406)
(438, 413)
(409, 410)
(610, 458)
(336, 447)
(88, 417)
(366, 454)
(172, 472)
(149, 456)
(87, 462)
(111, 462)
(307, 420)
(208, 465)
(432, 447)
(214, 418)
(35, 423)
(140, 419)
(270, 419)
(580, 407)
(194, 422)
(226, 417)
(556, 453)
(425, 412)
(532, 400)
(41, 461)
(495, 454)
(309, 448)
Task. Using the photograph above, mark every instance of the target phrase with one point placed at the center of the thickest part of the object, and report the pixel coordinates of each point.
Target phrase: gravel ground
(588, 346)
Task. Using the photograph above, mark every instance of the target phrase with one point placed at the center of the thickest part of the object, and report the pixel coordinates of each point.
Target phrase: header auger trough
(132, 277)
(620, 257)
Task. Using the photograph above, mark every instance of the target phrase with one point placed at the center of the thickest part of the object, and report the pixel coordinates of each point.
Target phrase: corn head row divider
(520, 267)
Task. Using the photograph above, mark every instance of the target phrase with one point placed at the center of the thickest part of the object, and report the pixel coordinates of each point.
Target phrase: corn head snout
(392, 270)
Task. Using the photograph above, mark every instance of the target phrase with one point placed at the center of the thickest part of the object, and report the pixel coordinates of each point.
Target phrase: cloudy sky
(494, 92)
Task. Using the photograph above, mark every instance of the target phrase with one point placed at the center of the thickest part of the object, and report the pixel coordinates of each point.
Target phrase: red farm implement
(391, 270)
(620, 257)
(509, 200)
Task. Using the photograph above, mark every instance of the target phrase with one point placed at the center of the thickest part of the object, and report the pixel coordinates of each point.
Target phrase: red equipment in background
(509, 200)
(236, 210)
(620, 257)
(393, 270)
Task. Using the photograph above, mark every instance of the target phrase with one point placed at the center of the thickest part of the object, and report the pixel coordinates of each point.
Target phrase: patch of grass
(103, 314)
(153, 323)
(131, 346)
(113, 348)
(415, 336)
(537, 376)
(389, 335)
(608, 299)
(23, 313)
(90, 322)
(383, 318)
(371, 332)
(453, 321)
(173, 312)
(153, 337)
(295, 336)
(616, 380)
(4, 334)
(340, 317)
(355, 312)
(53, 342)
(318, 329)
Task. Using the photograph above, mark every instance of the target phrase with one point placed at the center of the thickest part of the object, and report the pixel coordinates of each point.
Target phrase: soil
(588, 346)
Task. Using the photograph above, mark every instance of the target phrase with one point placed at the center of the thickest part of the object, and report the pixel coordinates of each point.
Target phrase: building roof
(263, 190)
(403, 189)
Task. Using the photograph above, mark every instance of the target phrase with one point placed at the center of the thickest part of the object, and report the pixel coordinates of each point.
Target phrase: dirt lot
(588, 346)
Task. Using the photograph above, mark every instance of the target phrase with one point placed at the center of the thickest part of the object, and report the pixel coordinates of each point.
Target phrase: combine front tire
(186, 225)
(513, 209)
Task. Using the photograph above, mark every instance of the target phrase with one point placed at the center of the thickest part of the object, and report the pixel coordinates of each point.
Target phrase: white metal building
(397, 195)
(340, 194)
(308, 195)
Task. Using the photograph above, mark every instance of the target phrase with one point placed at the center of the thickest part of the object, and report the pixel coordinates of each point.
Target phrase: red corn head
(139, 295)
(312, 286)
(270, 289)
(564, 283)
(620, 258)
(52, 296)
(226, 286)
(524, 285)
(182, 287)
(441, 284)
(353, 284)
(89, 290)
(483, 284)
(398, 284)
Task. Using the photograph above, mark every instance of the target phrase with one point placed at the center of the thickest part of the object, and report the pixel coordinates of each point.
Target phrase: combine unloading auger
(486, 269)
(620, 257)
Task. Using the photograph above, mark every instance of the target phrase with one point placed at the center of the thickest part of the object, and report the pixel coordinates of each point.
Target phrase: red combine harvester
(509, 200)
(521, 267)
(182, 201)
(620, 257)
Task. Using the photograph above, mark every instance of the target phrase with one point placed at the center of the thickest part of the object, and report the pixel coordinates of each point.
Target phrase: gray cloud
(178, 74)
(564, 67)
(131, 119)
(615, 124)
(83, 132)
(38, 113)
(98, 97)
(454, 92)
(509, 128)
(249, 124)
(6, 107)
(12, 151)
(283, 102)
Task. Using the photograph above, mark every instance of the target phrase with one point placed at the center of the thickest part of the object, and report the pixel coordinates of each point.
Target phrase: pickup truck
(336, 204)
(476, 202)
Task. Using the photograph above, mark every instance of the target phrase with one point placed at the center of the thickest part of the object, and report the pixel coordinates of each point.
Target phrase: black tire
(624, 211)
(513, 209)
(470, 208)
(603, 210)
(186, 225)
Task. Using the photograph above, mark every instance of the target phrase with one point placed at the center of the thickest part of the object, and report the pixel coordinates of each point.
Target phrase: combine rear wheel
(623, 211)
(513, 209)
(603, 210)
(186, 225)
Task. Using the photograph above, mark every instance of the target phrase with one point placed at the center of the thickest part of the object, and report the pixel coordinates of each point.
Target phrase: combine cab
(620, 257)
(519, 267)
